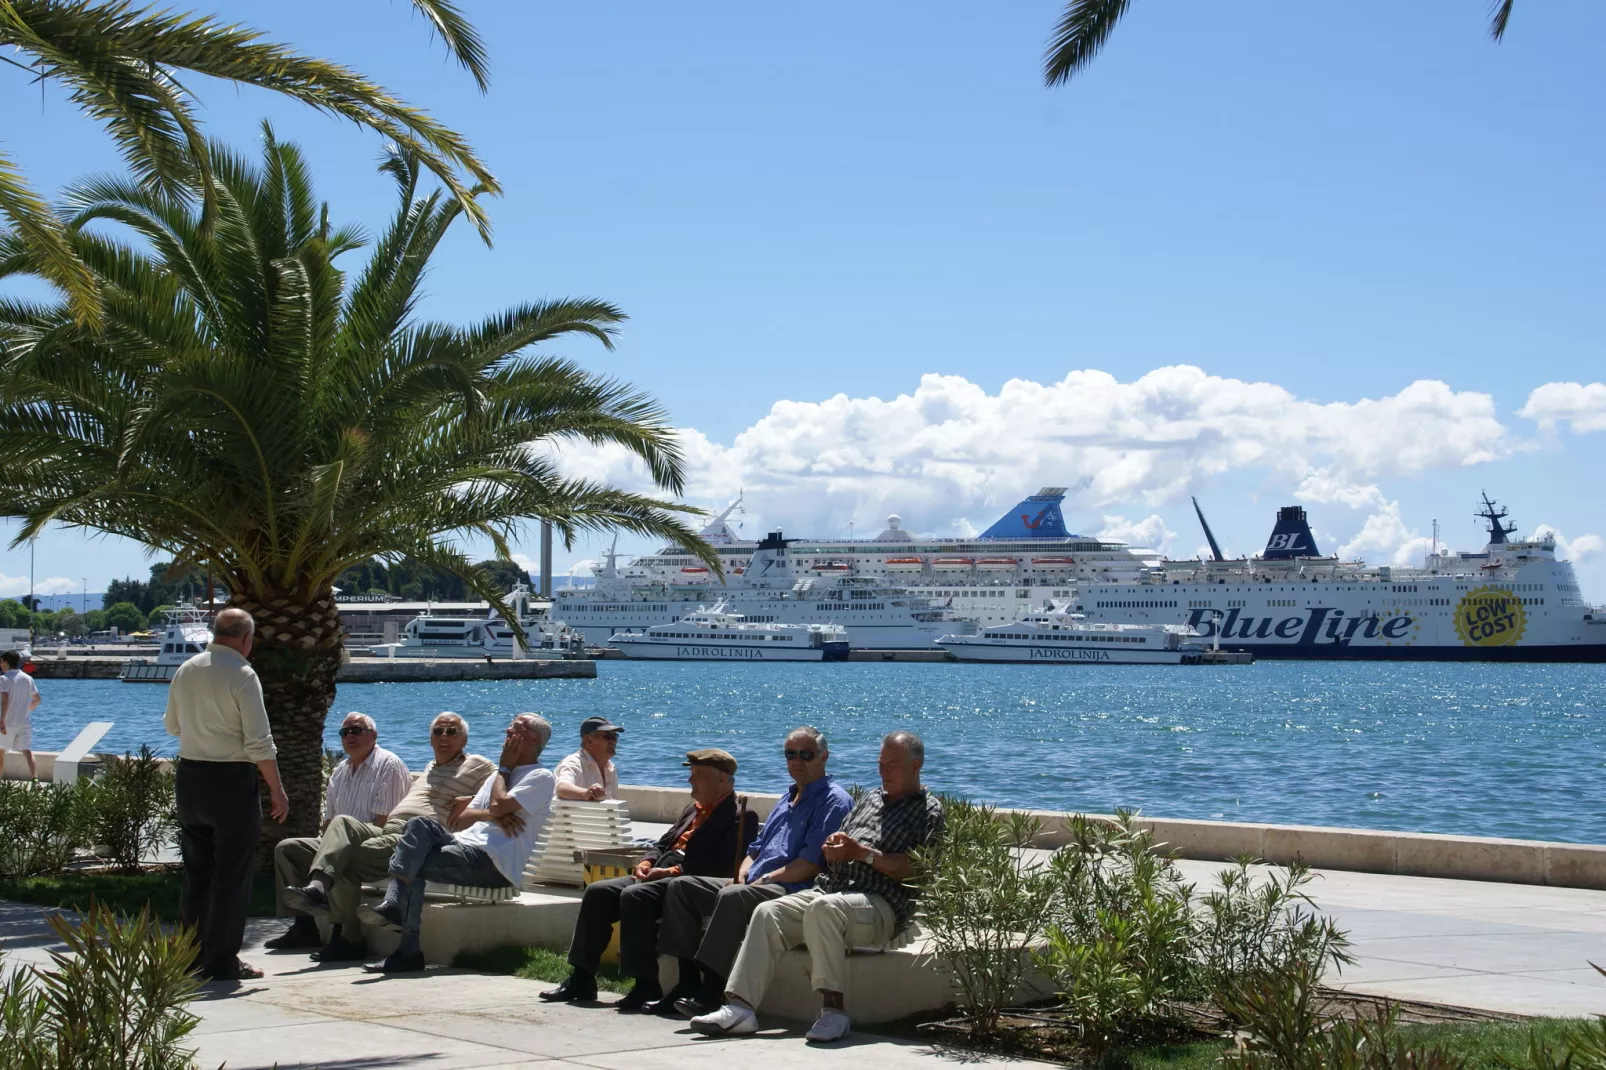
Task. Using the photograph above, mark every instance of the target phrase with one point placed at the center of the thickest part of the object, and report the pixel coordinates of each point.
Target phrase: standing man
(19, 697)
(367, 786)
(353, 852)
(861, 900)
(788, 854)
(588, 774)
(490, 839)
(706, 841)
(214, 707)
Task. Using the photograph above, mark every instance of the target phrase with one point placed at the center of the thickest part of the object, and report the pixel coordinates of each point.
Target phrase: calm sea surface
(1487, 750)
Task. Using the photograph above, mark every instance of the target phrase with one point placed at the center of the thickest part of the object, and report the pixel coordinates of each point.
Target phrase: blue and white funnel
(1291, 537)
(1037, 517)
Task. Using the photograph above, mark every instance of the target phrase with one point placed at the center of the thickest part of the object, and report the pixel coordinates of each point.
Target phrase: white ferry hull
(693, 650)
(1061, 653)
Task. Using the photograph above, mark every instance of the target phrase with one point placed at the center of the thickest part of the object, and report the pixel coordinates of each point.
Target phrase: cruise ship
(1512, 601)
(768, 587)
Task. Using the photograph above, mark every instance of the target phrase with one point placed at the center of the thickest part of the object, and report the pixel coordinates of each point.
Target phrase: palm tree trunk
(296, 655)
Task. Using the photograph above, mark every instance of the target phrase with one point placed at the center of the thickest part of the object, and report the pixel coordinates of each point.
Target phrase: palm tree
(1086, 25)
(122, 65)
(249, 408)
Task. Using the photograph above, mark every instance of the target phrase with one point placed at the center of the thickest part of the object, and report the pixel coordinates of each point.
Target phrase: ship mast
(1493, 515)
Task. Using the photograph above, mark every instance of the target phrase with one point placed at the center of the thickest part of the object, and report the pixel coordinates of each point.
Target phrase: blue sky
(803, 204)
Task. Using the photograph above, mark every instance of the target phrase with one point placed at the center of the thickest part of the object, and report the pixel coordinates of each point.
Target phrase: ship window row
(1075, 638)
(716, 635)
(181, 648)
(628, 608)
(829, 606)
(1141, 603)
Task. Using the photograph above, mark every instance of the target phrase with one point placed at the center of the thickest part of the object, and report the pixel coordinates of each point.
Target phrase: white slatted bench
(572, 826)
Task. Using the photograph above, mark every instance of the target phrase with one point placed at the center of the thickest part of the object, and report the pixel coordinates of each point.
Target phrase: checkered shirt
(892, 827)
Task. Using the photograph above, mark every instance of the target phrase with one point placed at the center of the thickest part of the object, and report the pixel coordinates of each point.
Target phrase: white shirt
(374, 788)
(532, 787)
(214, 707)
(20, 686)
(581, 770)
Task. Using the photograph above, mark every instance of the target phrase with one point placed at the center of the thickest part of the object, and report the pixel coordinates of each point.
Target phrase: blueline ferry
(1513, 601)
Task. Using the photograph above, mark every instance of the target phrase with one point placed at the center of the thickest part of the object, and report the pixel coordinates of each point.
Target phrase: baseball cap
(598, 724)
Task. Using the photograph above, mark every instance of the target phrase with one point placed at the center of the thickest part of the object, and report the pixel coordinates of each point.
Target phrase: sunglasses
(352, 730)
(613, 736)
(444, 730)
(800, 755)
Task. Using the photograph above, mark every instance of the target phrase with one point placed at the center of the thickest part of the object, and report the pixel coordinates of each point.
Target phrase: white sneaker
(731, 1020)
(832, 1024)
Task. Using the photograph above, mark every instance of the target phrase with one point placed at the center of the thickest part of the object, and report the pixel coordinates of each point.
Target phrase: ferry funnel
(1037, 517)
(1291, 537)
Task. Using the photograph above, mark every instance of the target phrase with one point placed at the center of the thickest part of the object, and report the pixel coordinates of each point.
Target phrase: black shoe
(398, 963)
(303, 933)
(339, 949)
(385, 914)
(641, 993)
(308, 899)
(579, 987)
(697, 1006)
(681, 992)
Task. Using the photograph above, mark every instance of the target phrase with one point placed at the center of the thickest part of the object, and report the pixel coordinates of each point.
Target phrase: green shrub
(1259, 925)
(45, 825)
(984, 904)
(134, 808)
(115, 999)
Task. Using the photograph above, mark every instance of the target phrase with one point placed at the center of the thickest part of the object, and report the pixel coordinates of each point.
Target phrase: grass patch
(124, 893)
(1482, 1044)
(536, 964)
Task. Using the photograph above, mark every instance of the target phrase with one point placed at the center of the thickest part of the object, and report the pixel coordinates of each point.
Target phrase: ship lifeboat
(1053, 562)
(693, 574)
(953, 564)
(905, 564)
(995, 564)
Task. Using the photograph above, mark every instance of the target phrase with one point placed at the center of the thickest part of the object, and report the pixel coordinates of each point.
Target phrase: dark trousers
(636, 907)
(219, 822)
(428, 852)
(727, 908)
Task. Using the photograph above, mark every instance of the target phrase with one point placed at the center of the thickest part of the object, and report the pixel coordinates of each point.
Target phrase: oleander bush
(45, 825)
(1131, 949)
(114, 999)
(133, 808)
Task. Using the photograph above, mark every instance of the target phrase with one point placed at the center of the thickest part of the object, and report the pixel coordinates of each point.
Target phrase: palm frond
(1499, 16)
(1080, 34)
(462, 39)
(37, 226)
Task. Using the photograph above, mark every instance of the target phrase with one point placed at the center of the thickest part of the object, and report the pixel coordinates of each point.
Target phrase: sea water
(1484, 750)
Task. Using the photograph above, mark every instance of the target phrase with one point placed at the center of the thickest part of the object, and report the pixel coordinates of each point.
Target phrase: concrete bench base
(883, 986)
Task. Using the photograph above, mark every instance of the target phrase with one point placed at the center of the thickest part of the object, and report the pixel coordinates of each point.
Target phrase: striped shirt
(891, 826)
(437, 786)
(372, 789)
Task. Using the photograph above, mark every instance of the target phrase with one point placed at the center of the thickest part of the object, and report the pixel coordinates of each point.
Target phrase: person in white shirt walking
(19, 697)
(490, 839)
(215, 708)
(588, 775)
(367, 786)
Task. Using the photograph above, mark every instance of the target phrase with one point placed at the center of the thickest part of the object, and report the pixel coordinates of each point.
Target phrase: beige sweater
(214, 707)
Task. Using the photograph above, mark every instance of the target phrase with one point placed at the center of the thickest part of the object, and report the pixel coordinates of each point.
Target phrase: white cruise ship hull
(1054, 653)
(704, 650)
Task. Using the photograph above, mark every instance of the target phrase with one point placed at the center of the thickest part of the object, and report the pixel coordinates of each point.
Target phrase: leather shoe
(667, 1005)
(641, 993)
(577, 988)
(339, 949)
(301, 934)
(695, 1007)
(398, 963)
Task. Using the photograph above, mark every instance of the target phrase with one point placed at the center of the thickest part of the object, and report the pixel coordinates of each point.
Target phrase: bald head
(235, 629)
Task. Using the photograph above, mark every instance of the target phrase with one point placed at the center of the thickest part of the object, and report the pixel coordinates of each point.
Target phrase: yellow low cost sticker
(1489, 616)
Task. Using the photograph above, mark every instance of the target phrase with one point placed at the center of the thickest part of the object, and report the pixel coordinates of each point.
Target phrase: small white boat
(720, 635)
(1059, 635)
(429, 636)
(186, 631)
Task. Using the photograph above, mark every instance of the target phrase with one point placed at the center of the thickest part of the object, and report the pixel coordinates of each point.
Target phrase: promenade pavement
(1500, 947)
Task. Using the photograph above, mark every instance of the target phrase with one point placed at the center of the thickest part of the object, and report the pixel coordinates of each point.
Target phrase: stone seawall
(364, 670)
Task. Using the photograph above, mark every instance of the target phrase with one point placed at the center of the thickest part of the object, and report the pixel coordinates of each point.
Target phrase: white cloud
(1582, 406)
(1575, 549)
(1149, 532)
(951, 456)
(11, 586)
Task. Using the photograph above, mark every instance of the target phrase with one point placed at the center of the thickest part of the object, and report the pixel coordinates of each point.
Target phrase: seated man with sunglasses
(356, 850)
(364, 788)
(788, 854)
(588, 775)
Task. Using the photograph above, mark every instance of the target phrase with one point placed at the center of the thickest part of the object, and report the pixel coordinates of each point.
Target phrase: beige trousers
(830, 924)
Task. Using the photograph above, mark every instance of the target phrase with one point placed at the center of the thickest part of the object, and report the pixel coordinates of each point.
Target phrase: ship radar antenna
(1493, 514)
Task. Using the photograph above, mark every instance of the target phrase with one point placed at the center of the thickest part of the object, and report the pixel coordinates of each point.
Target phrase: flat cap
(712, 756)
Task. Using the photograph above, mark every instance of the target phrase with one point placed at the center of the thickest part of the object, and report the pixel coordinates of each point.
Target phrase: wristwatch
(871, 855)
